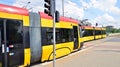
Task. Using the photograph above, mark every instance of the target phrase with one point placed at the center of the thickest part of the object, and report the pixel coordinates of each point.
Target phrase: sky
(103, 12)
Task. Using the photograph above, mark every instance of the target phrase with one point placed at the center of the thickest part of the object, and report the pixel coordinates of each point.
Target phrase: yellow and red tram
(87, 33)
(103, 32)
(26, 37)
(100, 32)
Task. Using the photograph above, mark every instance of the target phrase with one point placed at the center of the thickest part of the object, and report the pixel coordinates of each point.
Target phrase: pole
(5, 45)
(54, 41)
(63, 7)
(54, 38)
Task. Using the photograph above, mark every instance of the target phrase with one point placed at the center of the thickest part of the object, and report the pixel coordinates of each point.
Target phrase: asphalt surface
(98, 53)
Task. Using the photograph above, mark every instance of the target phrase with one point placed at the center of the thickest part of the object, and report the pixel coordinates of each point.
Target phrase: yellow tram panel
(47, 51)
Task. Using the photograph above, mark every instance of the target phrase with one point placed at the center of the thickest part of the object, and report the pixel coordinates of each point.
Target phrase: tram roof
(13, 9)
(98, 28)
(87, 27)
(103, 28)
(65, 19)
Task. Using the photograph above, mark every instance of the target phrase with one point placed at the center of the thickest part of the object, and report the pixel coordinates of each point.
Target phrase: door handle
(3, 49)
(11, 54)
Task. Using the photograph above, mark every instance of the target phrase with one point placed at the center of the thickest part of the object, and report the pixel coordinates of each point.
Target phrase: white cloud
(106, 20)
(106, 5)
(86, 5)
(34, 5)
(70, 9)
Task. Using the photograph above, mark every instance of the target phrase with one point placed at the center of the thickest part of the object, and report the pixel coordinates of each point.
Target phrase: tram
(87, 33)
(26, 37)
(100, 32)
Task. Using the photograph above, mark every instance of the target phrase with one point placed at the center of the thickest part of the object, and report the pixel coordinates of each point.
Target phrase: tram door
(75, 37)
(11, 43)
(1, 60)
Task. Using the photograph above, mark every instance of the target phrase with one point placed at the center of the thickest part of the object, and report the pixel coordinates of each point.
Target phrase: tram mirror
(83, 32)
(57, 16)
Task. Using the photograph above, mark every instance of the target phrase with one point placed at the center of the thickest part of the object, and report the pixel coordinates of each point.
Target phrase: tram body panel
(63, 44)
(13, 16)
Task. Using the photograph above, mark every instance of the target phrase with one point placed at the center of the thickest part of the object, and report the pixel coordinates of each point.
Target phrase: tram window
(62, 35)
(49, 35)
(102, 32)
(15, 32)
(71, 36)
(44, 36)
(87, 33)
(90, 32)
(98, 32)
(81, 32)
(58, 40)
(84, 33)
(66, 35)
(95, 32)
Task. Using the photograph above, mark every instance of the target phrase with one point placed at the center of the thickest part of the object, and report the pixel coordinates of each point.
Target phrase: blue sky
(103, 12)
(8, 2)
(118, 3)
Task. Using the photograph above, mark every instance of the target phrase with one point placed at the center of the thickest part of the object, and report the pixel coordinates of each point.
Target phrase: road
(98, 53)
